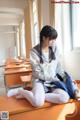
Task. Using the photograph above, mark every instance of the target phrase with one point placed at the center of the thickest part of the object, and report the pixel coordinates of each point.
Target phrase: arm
(60, 70)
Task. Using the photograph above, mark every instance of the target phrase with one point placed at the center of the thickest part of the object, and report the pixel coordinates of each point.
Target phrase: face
(45, 41)
(51, 42)
(48, 42)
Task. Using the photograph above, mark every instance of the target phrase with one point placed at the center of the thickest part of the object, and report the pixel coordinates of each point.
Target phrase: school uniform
(49, 73)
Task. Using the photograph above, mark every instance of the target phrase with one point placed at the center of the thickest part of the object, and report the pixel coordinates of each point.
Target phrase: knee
(38, 103)
(64, 98)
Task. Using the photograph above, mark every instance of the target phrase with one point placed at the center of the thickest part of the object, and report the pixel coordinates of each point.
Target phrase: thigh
(38, 89)
(60, 92)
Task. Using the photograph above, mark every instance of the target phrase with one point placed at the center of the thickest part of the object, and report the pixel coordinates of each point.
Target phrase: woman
(50, 82)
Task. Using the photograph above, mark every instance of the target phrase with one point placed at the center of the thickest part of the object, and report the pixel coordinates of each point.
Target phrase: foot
(19, 96)
(13, 92)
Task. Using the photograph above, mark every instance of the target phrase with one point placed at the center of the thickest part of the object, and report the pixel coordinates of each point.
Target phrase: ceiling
(12, 11)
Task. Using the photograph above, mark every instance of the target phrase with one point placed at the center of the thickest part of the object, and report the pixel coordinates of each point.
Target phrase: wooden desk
(16, 61)
(12, 66)
(21, 109)
(13, 73)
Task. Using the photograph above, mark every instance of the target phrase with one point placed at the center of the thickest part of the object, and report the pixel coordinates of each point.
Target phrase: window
(62, 24)
(20, 36)
(23, 49)
(67, 19)
(35, 24)
(58, 25)
(17, 42)
(76, 24)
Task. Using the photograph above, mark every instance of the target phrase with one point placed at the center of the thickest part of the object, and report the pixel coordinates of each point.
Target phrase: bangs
(53, 35)
(48, 32)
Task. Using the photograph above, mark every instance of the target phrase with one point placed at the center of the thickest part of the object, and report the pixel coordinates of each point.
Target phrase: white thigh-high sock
(57, 96)
(13, 92)
(36, 97)
(28, 95)
(39, 94)
(19, 96)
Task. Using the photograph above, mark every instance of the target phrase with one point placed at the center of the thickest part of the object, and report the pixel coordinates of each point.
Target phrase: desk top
(15, 71)
(13, 105)
(11, 66)
(19, 67)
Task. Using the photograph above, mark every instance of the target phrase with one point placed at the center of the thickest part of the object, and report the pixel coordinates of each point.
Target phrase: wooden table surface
(19, 70)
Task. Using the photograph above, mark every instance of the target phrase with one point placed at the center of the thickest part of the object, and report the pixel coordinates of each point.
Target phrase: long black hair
(47, 32)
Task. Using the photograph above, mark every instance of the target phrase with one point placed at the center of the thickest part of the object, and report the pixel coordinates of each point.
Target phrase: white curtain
(63, 26)
(76, 25)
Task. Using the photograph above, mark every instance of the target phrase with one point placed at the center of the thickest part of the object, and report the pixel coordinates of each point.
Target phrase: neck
(45, 48)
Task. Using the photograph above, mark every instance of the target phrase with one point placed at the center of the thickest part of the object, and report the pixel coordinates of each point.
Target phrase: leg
(57, 96)
(13, 92)
(37, 96)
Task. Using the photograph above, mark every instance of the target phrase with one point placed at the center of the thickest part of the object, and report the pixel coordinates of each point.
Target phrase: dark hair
(47, 31)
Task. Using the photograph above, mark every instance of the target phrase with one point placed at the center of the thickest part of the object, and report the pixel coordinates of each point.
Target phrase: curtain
(63, 26)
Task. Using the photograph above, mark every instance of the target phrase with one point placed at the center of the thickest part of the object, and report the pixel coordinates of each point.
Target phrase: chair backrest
(76, 114)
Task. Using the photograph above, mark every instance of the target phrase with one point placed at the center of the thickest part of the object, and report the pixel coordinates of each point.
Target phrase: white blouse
(46, 71)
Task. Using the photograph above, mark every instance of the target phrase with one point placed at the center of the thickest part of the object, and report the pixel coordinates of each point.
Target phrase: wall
(13, 3)
(7, 43)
